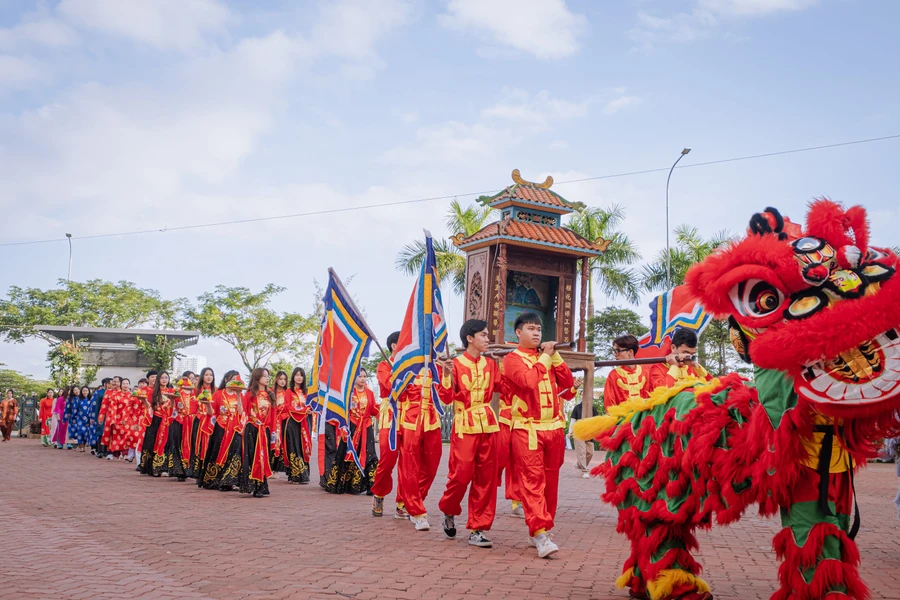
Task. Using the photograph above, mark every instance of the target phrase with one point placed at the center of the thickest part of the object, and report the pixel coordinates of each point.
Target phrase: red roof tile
(531, 193)
(531, 232)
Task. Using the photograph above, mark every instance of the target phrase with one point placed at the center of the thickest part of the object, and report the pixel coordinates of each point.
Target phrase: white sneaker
(110, 457)
(545, 546)
(477, 538)
(421, 522)
(585, 475)
(518, 512)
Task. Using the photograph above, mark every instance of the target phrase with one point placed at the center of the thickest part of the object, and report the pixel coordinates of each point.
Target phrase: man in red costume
(387, 458)
(473, 443)
(679, 366)
(419, 433)
(626, 383)
(534, 375)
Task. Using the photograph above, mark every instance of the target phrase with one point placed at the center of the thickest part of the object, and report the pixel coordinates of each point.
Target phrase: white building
(192, 363)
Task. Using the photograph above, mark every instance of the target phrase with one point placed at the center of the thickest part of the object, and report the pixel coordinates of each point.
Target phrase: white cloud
(163, 24)
(350, 28)
(536, 112)
(44, 32)
(557, 145)
(22, 73)
(754, 7)
(451, 143)
(409, 118)
(684, 27)
(546, 29)
(620, 103)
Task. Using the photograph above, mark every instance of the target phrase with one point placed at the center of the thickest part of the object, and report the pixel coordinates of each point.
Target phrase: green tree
(245, 321)
(94, 303)
(19, 383)
(66, 361)
(607, 325)
(610, 269)
(690, 247)
(451, 263)
(278, 363)
(161, 352)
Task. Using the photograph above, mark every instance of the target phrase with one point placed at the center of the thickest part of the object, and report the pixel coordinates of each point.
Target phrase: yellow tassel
(625, 578)
(661, 587)
(589, 429)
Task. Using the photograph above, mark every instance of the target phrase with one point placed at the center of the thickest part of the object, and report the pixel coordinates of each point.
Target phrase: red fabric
(659, 376)
(116, 431)
(473, 459)
(387, 459)
(522, 381)
(185, 409)
(261, 413)
(537, 475)
(228, 412)
(204, 429)
(384, 378)
(45, 412)
(362, 409)
(295, 408)
(504, 454)
(420, 455)
(107, 416)
(164, 412)
(614, 394)
(132, 413)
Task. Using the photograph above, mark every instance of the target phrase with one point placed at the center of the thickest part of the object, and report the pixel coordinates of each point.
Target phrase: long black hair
(157, 390)
(212, 385)
(291, 384)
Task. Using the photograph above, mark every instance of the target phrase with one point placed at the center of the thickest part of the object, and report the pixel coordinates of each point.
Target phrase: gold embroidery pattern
(632, 383)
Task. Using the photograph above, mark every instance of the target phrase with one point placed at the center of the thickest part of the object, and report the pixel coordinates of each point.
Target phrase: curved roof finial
(517, 177)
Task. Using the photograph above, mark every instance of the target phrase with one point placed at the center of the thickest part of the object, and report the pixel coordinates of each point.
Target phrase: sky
(120, 115)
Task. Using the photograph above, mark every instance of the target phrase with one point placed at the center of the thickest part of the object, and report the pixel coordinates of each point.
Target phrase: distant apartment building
(192, 363)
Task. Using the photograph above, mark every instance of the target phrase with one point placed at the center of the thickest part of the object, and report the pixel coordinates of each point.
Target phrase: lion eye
(756, 298)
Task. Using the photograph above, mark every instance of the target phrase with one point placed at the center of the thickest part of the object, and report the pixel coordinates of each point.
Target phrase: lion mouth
(864, 374)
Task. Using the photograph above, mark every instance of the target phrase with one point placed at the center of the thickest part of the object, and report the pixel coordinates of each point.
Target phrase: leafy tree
(161, 352)
(94, 303)
(19, 383)
(607, 325)
(451, 263)
(690, 248)
(67, 364)
(244, 321)
(278, 363)
(610, 269)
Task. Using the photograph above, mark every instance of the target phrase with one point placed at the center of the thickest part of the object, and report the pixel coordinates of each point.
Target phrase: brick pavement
(77, 527)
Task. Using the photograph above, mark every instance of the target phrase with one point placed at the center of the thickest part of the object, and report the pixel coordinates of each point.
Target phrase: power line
(447, 197)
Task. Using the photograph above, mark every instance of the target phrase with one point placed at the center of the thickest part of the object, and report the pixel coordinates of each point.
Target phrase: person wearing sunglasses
(626, 383)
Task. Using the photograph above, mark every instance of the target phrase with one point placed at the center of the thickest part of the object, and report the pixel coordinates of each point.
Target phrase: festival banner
(423, 337)
(342, 343)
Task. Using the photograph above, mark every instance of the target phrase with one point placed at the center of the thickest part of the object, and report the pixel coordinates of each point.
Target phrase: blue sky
(119, 116)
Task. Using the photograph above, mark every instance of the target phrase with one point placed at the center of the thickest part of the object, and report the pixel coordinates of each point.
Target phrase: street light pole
(668, 251)
(69, 236)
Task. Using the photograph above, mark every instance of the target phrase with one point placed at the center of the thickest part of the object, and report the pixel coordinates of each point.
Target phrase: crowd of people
(233, 436)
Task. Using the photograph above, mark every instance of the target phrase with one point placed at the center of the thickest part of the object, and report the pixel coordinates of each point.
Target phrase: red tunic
(45, 413)
(668, 375)
(261, 412)
(228, 414)
(386, 413)
(295, 408)
(362, 409)
(534, 384)
(473, 385)
(184, 411)
(205, 427)
(626, 383)
(164, 411)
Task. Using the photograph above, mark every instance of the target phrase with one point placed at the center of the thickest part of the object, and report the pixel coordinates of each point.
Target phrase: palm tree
(608, 269)
(690, 248)
(451, 263)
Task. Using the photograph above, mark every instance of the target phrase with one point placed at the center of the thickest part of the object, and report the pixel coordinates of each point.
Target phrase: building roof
(119, 337)
(523, 233)
(527, 193)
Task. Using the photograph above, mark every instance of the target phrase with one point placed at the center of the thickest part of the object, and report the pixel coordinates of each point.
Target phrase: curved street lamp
(668, 251)
(69, 277)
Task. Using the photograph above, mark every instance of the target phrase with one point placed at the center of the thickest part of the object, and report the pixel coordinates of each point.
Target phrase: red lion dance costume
(817, 312)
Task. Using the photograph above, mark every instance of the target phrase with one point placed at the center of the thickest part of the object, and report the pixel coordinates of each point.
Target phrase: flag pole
(349, 298)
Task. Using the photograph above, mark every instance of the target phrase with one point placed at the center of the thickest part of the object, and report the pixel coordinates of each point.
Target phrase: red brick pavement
(77, 527)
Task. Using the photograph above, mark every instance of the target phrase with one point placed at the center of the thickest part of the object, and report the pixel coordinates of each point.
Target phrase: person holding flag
(473, 443)
(387, 457)
(534, 375)
(415, 389)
